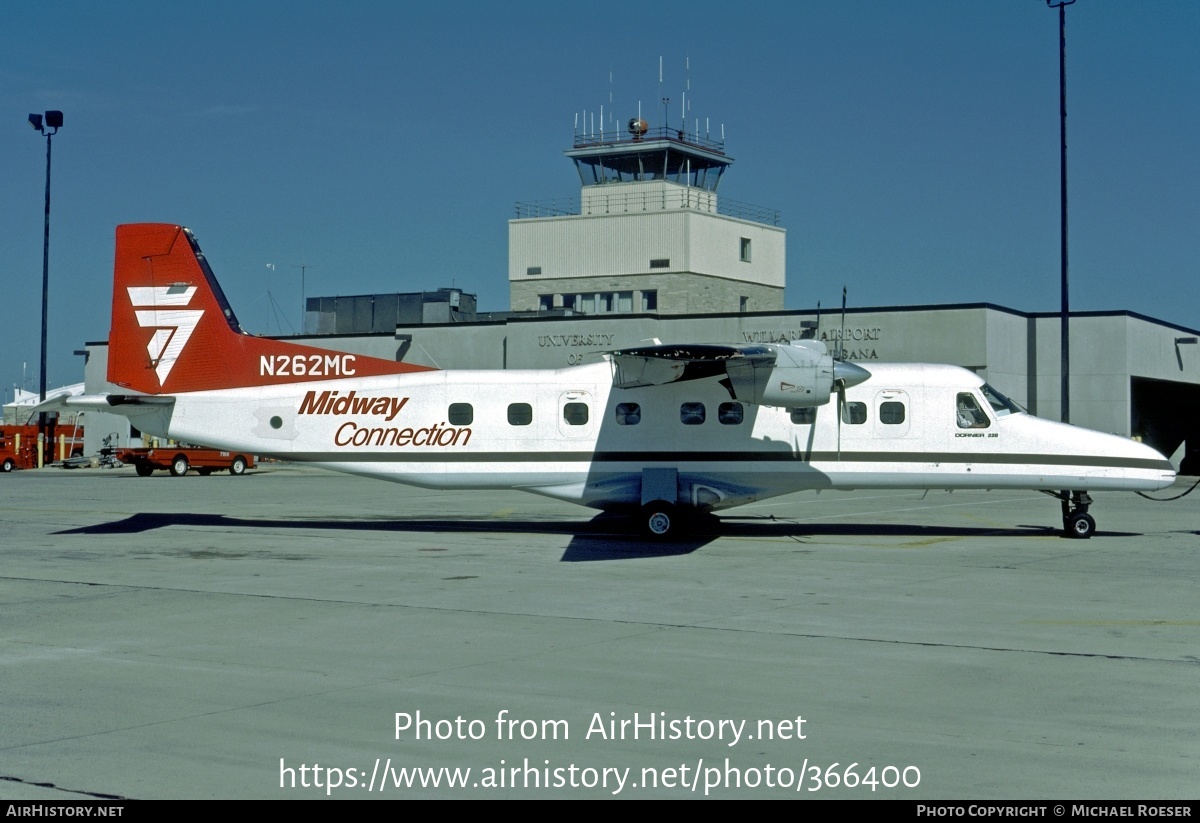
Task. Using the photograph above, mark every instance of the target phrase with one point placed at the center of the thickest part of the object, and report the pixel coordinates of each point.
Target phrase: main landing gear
(660, 520)
(1077, 522)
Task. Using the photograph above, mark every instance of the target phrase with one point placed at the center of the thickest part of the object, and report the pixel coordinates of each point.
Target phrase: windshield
(1000, 404)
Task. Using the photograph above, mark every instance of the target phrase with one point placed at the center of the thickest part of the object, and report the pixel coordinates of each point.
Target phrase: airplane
(666, 432)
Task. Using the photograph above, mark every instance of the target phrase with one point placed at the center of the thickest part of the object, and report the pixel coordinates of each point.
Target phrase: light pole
(48, 126)
(303, 308)
(1065, 345)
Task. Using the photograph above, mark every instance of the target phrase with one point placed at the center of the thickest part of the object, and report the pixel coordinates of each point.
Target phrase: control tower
(647, 234)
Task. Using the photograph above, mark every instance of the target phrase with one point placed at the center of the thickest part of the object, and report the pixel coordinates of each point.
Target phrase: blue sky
(911, 147)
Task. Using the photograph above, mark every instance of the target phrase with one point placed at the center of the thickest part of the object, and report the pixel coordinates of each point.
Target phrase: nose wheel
(1077, 523)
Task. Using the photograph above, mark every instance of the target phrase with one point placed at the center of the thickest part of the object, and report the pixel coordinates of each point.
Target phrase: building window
(730, 414)
(854, 414)
(569, 301)
(520, 414)
(628, 414)
(532, 270)
(660, 263)
(691, 414)
(891, 413)
(744, 303)
(576, 414)
(625, 301)
(805, 416)
(650, 300)
(461, 414)
(744, 251)
(545, 302)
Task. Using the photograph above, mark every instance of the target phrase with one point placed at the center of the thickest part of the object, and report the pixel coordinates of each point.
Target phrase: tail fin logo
(173, 325)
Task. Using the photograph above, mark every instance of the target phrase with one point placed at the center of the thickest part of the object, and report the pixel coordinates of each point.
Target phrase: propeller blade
(841, 403)
(842, 335)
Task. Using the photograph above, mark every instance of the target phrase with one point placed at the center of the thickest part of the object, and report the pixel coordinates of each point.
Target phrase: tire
(238, 467)
(179, 466)
(660, 520)
(8, 465)
(143, 470)
(1080, 526)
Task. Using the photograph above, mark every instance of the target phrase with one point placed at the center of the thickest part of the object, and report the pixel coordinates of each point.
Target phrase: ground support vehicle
(178, 460)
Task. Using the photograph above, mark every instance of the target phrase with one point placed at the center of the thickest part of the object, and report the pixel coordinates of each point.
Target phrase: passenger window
(691, 414)
(461, 414)
(968, 413)
(729, 414)
(891, 413)
(576, 414)
(520, 414)
(805, 416)
(628, 414)
(854, 414)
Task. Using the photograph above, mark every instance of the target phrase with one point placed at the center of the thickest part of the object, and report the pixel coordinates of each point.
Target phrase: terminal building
(650, 252)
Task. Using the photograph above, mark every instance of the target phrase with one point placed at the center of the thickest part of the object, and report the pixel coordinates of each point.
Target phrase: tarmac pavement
(294, 633)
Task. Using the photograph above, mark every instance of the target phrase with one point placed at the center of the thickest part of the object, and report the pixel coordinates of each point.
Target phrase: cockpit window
(1000, 404)
(968, 414)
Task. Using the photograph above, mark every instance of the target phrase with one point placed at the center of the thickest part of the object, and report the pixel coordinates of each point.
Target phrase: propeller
(844, 374)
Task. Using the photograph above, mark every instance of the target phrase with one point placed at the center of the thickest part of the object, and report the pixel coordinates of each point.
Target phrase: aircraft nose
(849, 374)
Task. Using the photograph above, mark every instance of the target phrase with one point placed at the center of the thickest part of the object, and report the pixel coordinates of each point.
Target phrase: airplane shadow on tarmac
(604, 537)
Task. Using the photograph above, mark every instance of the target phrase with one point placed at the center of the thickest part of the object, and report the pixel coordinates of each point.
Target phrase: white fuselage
(570, 434)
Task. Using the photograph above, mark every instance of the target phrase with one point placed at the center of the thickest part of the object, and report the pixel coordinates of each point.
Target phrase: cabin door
(576, 414)
(893, 413)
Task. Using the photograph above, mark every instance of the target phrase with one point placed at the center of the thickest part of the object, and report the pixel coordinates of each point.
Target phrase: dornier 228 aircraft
(663, 431)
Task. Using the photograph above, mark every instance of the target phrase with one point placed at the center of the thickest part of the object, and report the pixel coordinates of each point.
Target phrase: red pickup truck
(178, 459)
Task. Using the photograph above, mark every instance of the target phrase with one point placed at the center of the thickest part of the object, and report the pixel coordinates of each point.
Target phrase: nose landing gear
(1077, 523)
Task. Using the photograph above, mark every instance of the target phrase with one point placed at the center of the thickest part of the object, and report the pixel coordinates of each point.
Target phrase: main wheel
(660, 520)
(143, 470)
(8, 465)
(179, 465)
(238, 466)
(1080, 525)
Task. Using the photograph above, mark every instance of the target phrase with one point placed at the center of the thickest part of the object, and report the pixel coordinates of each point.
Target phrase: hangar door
(1166, 415)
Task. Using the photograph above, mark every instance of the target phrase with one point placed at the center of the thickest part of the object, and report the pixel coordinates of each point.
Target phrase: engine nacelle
(804, 374)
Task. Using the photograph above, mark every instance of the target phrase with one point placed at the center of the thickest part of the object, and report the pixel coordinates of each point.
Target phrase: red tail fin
(173, 331)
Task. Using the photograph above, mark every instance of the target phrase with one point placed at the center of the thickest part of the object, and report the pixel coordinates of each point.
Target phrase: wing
(801, 373)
